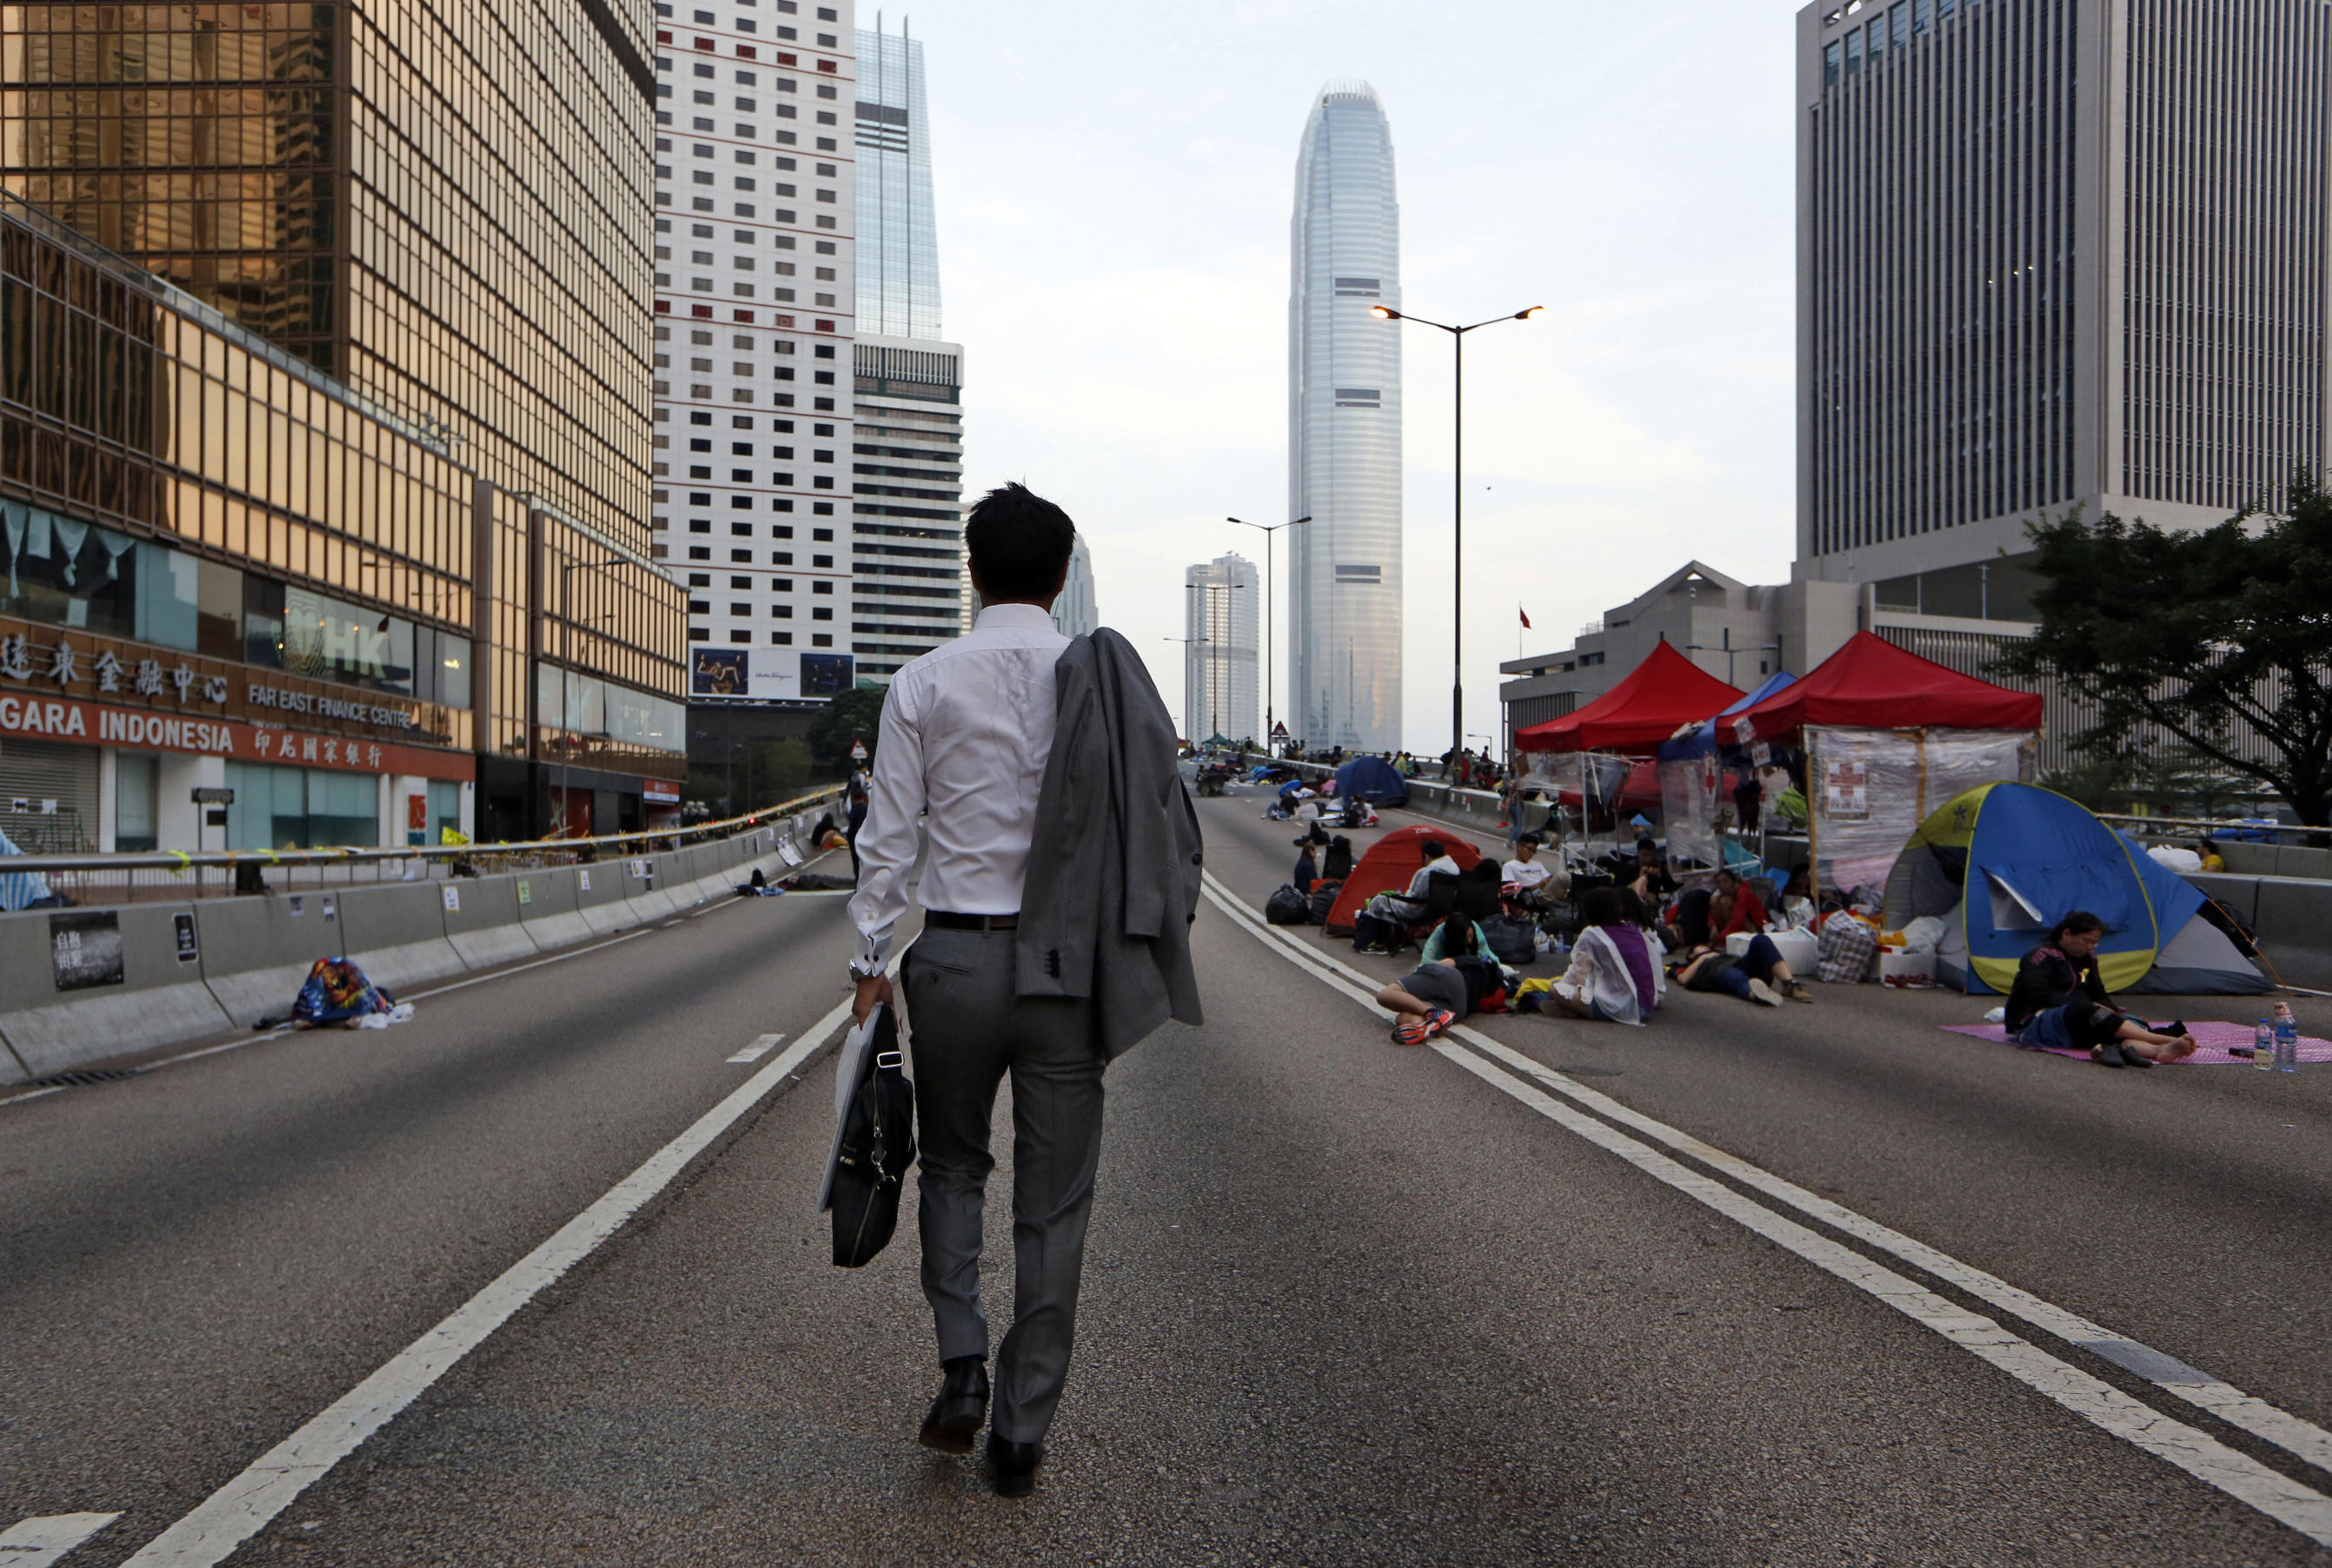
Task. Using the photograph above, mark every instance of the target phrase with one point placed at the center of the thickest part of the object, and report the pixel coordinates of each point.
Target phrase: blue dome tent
(1374, 779)
(2002, 863)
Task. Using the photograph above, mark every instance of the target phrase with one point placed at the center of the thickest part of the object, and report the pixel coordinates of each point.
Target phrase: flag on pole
(1525, 616)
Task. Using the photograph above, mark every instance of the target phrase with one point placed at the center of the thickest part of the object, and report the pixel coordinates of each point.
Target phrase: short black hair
(1604, 906)
(1020, 543)
(1532, 839)
(1432, 849)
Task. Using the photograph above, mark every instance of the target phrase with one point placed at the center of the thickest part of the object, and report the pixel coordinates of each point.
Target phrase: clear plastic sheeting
(1688, 788)
(1869, 790)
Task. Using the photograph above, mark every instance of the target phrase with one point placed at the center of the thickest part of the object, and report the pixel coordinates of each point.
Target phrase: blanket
(2211, 1042)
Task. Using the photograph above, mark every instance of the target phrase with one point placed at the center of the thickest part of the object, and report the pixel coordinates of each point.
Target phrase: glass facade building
(2052, 252)
(1343, 429)
(898, 236)
(908, 592)
(330, 325)
(1220, 653)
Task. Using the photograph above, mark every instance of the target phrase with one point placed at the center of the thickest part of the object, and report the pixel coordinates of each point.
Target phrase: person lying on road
(1441, 990)
(1757, 975)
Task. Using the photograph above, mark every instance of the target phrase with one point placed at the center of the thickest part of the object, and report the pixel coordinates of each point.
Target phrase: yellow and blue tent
(2003, 863)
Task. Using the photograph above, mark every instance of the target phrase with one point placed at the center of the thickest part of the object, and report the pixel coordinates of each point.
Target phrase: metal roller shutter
(33, 773)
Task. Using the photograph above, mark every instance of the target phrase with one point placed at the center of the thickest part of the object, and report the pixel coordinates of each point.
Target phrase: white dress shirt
(966, 732)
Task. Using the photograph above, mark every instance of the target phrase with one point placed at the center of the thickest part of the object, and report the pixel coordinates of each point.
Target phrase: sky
(1113, 185)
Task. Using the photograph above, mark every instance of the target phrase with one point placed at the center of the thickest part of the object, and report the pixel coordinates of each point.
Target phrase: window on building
(1830, 56)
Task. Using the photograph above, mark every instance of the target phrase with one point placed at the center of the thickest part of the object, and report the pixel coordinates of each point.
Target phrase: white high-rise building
(1221, 693)
(755, 284)
(1076, 611)
(1343, 429)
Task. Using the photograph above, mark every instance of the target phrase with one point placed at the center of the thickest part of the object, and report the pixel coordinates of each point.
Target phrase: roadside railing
(180, 874)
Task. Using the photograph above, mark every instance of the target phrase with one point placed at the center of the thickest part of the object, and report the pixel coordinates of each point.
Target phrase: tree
(2181, 637)
(853, 715)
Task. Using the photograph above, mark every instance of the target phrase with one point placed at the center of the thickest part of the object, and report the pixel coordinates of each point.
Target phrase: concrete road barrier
(396, 932)
(483, 923)
(256, 952)
(2294, 928)
(602, 898)
(548, 908)
(62, 1010)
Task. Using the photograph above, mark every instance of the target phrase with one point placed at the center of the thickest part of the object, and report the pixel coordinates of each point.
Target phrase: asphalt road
(1345, 1302)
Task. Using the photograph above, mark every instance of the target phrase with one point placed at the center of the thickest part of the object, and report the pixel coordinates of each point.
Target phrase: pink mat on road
(2211, 1041)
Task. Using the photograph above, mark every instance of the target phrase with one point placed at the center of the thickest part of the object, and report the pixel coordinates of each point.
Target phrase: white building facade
(755, 298)
(1220, 692)
(1343, 429)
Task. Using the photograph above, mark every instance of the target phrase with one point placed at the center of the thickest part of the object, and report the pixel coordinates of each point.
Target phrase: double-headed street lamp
(1270, 531)
(1457, 512)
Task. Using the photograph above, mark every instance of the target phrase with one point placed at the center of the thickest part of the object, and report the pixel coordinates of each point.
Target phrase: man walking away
(1062, 877)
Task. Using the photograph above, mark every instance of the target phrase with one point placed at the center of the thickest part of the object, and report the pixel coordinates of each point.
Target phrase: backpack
(1339, 863)
(1324, 898)
(1286, 906)
(1485, 984)
(1514, 941)
(1373, 931)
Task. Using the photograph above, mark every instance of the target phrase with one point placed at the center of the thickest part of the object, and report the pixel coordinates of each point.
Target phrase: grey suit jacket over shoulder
(1114, 865)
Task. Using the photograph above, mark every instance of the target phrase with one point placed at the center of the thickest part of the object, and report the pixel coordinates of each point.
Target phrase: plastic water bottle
(2263, 1047)
(2287, 1039)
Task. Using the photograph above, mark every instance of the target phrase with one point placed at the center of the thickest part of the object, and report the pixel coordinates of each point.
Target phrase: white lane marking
(761, 1047)
(2206, 1458)
(2302, 1439)
(33, 1094)
(37, 1543)
(243, 1506)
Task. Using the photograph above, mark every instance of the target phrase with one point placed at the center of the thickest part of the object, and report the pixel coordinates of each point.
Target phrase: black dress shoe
(1014, 1465)
(960, 1410)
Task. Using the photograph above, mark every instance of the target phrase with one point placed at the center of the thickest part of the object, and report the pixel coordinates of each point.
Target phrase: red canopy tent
(1872, 684)
(1659, 696)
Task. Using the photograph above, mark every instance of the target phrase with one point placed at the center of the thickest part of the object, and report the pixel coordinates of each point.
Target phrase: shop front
(103, 742)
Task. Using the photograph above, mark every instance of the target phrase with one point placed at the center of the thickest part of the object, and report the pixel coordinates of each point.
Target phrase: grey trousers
(967, 1029)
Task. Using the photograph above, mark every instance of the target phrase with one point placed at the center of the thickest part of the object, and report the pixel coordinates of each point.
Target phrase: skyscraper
(908, 590)
(1343, 428)
(336, 316)
(898, 235)
(1220, 690)
(754, 287)
(2050, 253)
(1078, 611)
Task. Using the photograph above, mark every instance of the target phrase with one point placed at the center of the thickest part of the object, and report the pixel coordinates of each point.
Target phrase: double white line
(2304, 1508)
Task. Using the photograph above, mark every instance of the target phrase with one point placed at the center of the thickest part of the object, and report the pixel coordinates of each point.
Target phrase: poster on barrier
(788, 853)
(85, 949)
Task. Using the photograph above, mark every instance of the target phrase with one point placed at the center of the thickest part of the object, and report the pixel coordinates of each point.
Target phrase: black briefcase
(878, 1144)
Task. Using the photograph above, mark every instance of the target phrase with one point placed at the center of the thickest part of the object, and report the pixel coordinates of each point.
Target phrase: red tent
(1872, 684)
(1387, 867)
(1659, 696)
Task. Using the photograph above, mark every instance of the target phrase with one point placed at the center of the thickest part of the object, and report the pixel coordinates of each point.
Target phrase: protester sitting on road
(2058, 1003)
(1797, 900)
(1744, 910)
(1408, 908)
(1307, 864)
(1653, 885)
(1689, 920)
(1526, 883)
(1614, 976)
(1440, 990)
(1760, 974)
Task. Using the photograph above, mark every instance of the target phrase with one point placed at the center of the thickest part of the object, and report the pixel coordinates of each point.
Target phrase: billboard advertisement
(769, 674)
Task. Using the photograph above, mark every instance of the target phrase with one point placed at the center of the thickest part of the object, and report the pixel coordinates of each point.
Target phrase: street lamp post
(1270, 531)
(1457, 511)
(565, 654)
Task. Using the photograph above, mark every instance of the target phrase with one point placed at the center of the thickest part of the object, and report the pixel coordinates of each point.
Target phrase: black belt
(946, 921)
